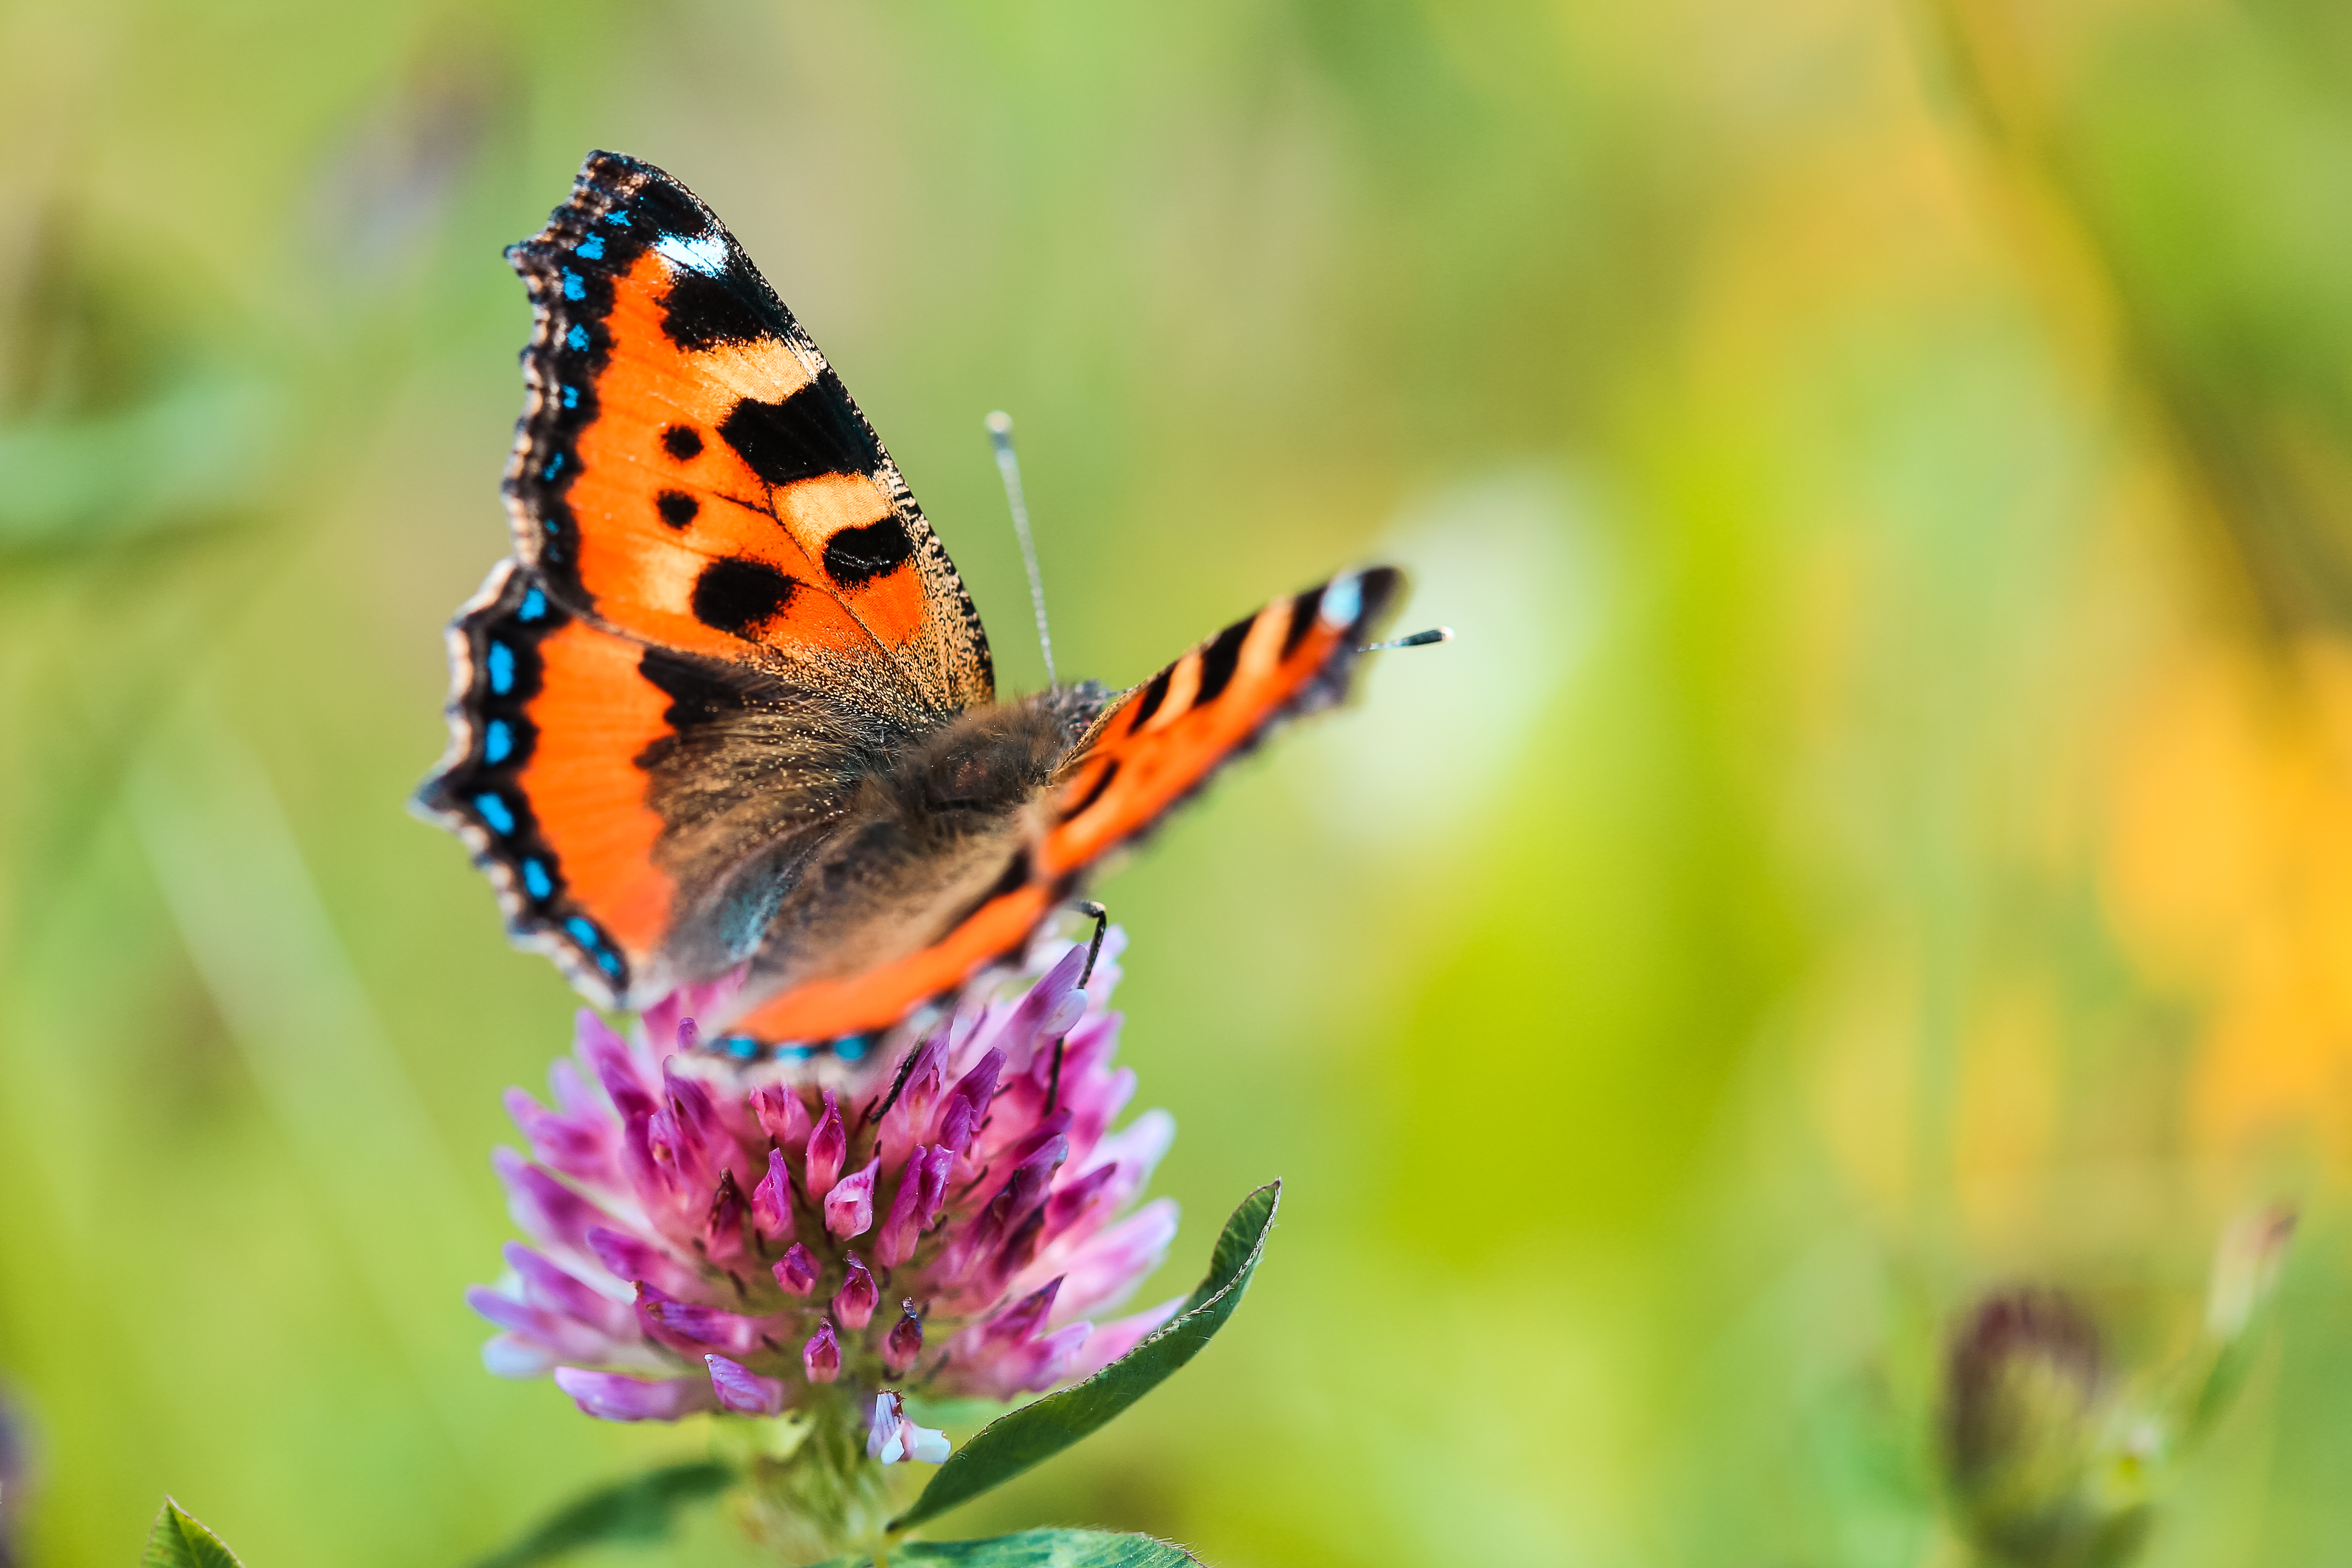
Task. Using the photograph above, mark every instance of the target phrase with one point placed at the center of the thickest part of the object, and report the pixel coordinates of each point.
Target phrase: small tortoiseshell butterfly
(730, 704)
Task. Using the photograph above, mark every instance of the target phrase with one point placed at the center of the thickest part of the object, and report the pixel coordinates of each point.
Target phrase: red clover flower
(712, 1236)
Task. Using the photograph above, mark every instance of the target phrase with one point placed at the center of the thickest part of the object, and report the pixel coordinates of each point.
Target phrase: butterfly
(728, 709)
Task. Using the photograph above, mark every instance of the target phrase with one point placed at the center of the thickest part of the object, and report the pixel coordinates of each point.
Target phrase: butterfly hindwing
(689, 470)
(1145, 755)
(546, 714)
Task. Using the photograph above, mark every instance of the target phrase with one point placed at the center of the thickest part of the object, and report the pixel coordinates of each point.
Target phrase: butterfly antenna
(1418, 640)
(1008, 467)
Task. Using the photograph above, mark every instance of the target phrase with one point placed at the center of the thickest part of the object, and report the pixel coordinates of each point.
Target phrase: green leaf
(642, 1509)
(1036, 1432)
(1036, 1549)
(177, 1540)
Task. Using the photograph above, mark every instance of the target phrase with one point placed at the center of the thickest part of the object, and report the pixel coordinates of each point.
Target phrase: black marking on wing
(704, 311)
(1303, 608)
(1102, 783)
(856, 557)
(1153, 696)
(676, 508)
(814, 431)
(735, 596)
(683, 442)
(1219, 660)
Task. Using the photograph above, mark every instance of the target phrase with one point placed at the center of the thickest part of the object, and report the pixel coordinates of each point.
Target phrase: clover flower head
(948, 1220)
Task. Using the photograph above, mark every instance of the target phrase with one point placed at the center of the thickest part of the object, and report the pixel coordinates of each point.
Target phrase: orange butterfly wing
(1147, 752)
(546, 714)
(689, 471)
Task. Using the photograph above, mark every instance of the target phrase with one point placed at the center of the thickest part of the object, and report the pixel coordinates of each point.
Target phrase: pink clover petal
(645, 1161)
(936, 1173)
(565, 1336)
(1024, 1028)
(542, 1206)
(975, 1089)
(1019, 1322)
(956, 1123)
(546, 1286)
(678, 1150)
(905, 1342)
(783, 1117)
(1060, 1018)
(821, 1357)
(1033, 1364)
(608, 1058)
(576, 1146)
(796, 1270)
(828, 1145)
(1107, 1267)
(694, 1329)
(849, 1206)
(689, 1102)
(575, 1099)
(636, 1262)
(1073, 1198)
(900, 1228)
(508, 1355)
(771, 1200)
(853, 1303)
(1113, 1340)
(743, 1391)
(722, 1230)
(609, 1396)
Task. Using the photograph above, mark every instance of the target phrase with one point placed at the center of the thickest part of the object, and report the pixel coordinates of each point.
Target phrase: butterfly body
(730, 711)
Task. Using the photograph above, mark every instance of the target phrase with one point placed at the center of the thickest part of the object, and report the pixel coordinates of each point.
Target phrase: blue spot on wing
(500, 660)
(497, 742)
(533, 605)
(570, 398)
(494, 812)
(577, 338)
(592, 248)
(574, 289)
(535, 877)
(619, 217)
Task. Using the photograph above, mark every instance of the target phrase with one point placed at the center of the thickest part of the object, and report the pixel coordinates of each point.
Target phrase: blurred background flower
(1885, 830)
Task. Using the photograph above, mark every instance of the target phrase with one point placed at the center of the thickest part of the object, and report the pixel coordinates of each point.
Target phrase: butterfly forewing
(690, 471)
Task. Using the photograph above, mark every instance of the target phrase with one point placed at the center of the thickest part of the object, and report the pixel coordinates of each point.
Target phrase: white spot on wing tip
(704, 253)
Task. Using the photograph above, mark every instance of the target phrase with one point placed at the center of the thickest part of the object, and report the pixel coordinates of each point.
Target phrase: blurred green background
(1885, 830)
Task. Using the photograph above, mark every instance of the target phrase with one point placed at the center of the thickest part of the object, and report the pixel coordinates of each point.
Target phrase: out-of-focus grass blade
(194, 453)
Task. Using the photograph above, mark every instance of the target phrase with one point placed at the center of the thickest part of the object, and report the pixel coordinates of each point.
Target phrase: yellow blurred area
(1883, 830)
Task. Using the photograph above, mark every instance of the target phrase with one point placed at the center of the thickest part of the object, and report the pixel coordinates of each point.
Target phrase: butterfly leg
(1101, 917)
